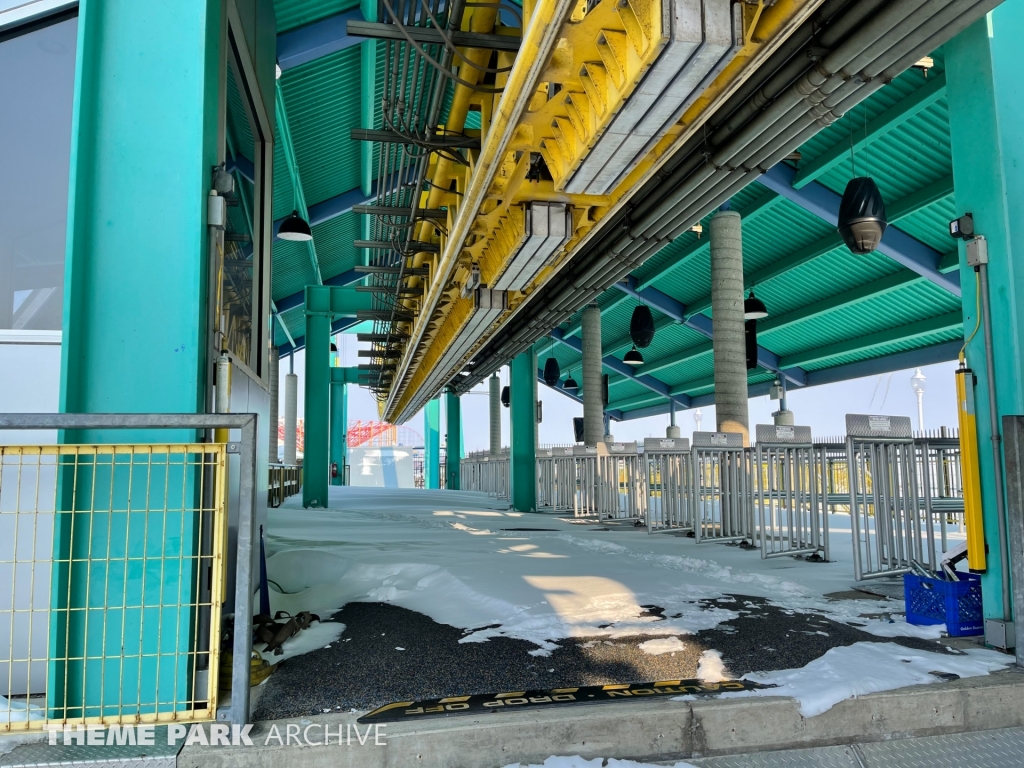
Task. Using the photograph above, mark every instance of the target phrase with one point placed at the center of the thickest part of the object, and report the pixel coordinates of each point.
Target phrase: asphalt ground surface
(364, 668)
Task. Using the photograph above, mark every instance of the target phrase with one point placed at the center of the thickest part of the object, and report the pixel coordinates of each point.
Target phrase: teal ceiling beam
(293, 172)
(932, 91)
(901, 333)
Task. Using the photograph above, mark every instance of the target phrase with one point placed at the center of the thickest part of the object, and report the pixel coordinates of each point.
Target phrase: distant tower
(917, 384)
(698, 417)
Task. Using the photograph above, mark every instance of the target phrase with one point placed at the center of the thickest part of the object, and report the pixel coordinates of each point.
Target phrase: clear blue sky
(822, 408)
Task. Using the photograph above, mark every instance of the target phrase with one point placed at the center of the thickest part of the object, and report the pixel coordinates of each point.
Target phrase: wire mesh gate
(885, 506)
(669, 483)
(116, 558)
(721, 493)
(787, 501)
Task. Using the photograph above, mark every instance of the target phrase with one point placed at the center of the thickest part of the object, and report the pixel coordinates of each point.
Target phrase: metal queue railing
(480, 471)
(284, 480)
(721, 488)
(556, 478)
(621, 484)
(790, 517)
(585, 491)
(669, 482)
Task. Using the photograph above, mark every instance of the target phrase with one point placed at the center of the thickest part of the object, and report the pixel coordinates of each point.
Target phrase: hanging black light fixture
(552, 373)
(754, 308)
(570, 384)
(295, 228)
(506, 397)
(862, 220)
(641, 326)
(633, 357)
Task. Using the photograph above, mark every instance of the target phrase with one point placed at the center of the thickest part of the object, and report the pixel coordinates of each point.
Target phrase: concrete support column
(453, 462)
(316, 409)
(593, 407)
(494, 391)
(728, 340)
(986, 120)
(432, 444)
(339, 430)
(291, 417)
(523, 418)
(275, 381)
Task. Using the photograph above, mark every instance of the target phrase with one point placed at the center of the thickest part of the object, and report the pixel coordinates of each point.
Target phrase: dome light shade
(295, 228)
(506, 396)
(754, 308)
(641, 326)
(570, 384)
(552, 373)
(633, 357)
(862, 220)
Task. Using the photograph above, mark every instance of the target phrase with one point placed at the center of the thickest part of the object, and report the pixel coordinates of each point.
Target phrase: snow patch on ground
(662, 645)
(8, 743)
(863, 668)
(19, 711)
(466, 565)
(711, 668)
(316, 635)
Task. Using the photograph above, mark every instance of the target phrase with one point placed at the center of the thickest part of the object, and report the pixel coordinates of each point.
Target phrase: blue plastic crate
(957, 604)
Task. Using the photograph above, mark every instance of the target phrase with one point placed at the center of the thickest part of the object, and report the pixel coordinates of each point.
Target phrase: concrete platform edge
(651, 730)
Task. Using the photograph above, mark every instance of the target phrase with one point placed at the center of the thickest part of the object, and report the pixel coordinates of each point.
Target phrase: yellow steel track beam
(556, 101)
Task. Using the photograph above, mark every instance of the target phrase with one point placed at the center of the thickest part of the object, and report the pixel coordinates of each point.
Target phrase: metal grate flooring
(1002, 748)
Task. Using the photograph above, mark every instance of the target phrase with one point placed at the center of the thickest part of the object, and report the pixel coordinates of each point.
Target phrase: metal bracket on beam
(441, 141)
(429, 36)
(415, 246)
(438, 214)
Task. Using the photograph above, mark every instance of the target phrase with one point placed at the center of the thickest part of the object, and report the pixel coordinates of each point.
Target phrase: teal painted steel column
(339, 430)
(144, 140)
(986, 111)
(432, 444)
(453, 462)
(523, 426)
(315, 462)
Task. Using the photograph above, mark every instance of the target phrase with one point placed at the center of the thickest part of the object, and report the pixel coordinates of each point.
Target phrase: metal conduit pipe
(826, 96)
(291, 404)
(893, 37)
(728, 338)
(593, 407)
(494, 390)
(275, 369)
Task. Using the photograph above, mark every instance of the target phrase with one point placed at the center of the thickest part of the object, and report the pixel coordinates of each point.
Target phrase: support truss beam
(316, 40)
(296, 299)
(932, 325)
(896, 244)
(892, 118)
(619, 367)
(431, 36)
(394, 137)
(614, 413)
(677, 311)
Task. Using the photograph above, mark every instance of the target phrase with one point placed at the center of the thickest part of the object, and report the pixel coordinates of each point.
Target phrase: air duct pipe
(494, 392)
(593, 407)
(291, 423)
(728, 339)
(275, 367)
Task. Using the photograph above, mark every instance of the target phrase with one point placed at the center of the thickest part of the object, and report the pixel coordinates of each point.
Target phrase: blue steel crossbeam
(896, 244)
(676, 310)
(614, 413)
(316, 40)
(619, 367)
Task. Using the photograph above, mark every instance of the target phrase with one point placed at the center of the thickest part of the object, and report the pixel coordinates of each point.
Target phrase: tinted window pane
(36, 95)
